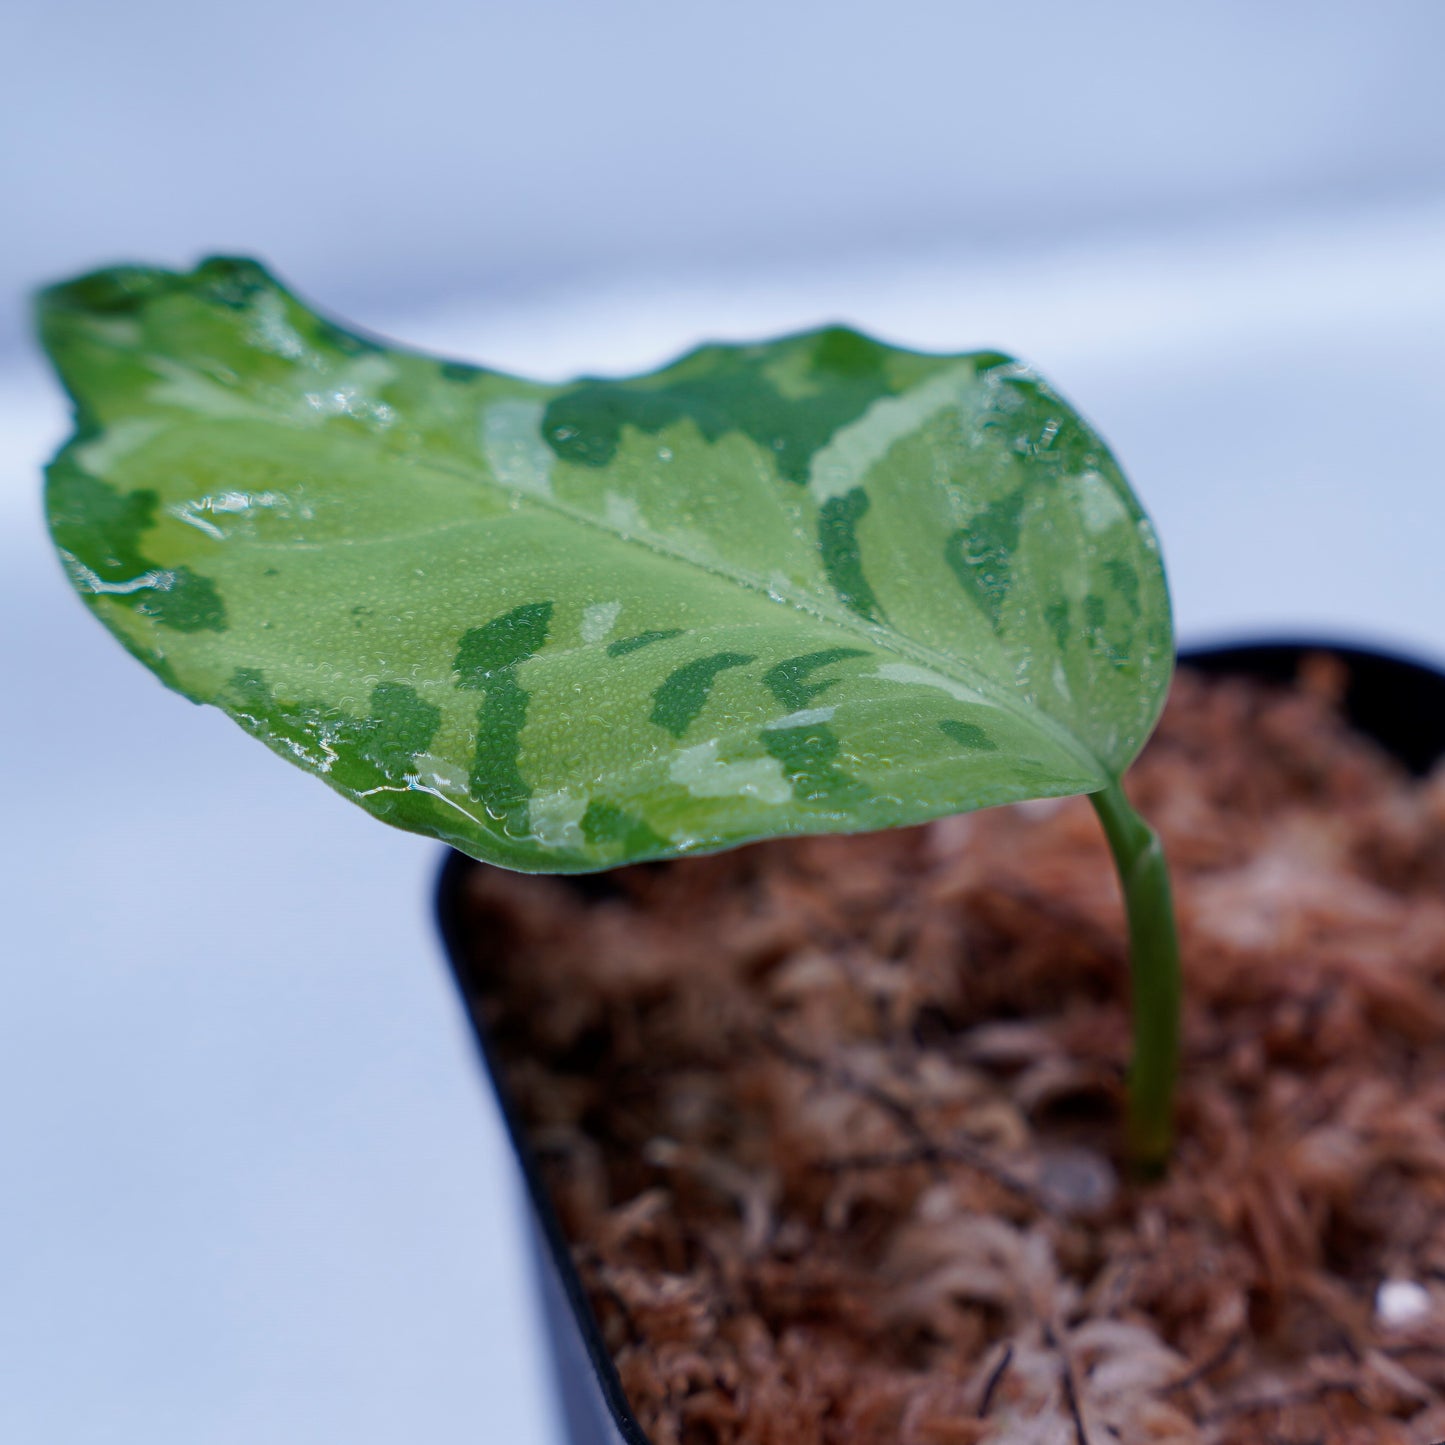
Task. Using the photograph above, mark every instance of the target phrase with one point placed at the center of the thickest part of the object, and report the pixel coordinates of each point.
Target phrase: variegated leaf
(818, 584)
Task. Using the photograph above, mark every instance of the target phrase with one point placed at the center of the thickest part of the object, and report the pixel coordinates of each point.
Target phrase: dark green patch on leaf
(112, 292)
(723, 389)
(233, 281)
(1056, 617)
(349, 343)
(373, 752)
(844, 354)
(101, 527)
(182, 601)
(684, 693)
(808, 755)
(1126, 583)
(401, 726)
(459, 371)
(504, 642)
(842, 560)
(624, 645)
(788, 681)
(486, 661)
(981, 554)
(968, 735)
(605, 822)
(495, 780)
(1096, 631)
(248, 695)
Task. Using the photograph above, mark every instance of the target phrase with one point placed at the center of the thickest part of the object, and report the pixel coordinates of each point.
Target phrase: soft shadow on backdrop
(252, 1189)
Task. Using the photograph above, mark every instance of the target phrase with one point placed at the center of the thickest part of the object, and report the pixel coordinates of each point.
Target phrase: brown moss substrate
(833, 1123)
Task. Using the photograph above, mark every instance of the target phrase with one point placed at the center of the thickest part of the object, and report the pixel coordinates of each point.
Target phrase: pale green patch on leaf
(817, 584)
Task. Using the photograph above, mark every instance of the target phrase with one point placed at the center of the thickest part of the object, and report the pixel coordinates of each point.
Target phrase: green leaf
(818, 584)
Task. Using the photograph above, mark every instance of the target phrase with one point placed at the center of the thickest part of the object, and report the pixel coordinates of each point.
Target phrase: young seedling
(815, 585)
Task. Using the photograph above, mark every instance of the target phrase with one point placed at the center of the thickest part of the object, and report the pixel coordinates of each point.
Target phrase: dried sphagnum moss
(832, 1122)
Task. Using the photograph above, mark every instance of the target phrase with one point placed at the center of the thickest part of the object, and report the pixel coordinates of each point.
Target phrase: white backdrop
(390, 155)
(252, 1190)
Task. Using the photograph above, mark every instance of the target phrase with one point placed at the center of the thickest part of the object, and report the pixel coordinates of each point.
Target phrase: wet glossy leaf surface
(818, 584)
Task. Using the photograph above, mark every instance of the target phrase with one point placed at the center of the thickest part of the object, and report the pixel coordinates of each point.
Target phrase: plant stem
(1154, 973)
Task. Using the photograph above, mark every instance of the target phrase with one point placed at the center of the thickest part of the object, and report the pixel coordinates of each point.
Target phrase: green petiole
(1155, 977)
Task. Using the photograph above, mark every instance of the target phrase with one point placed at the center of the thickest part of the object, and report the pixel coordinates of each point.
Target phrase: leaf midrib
(882, 638)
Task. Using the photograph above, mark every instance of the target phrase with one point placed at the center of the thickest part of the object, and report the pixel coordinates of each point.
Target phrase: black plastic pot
(1398, 702)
